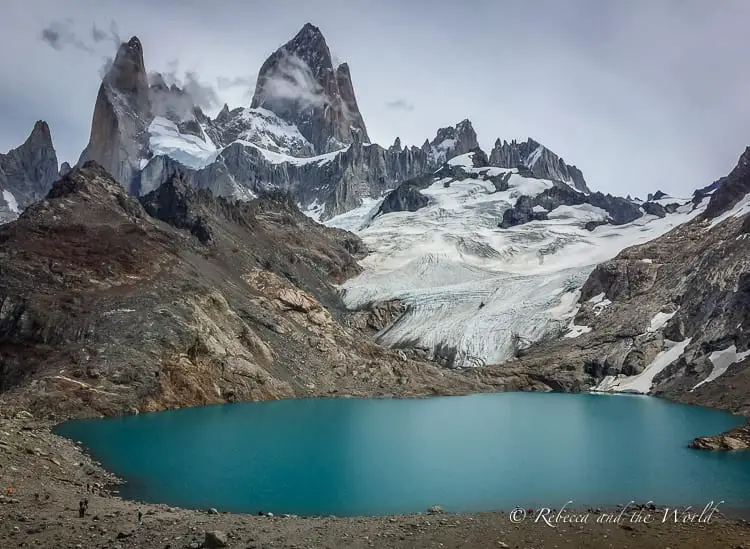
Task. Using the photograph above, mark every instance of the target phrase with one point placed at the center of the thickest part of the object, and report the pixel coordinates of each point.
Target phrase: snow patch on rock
(642, 383)
(721, 361)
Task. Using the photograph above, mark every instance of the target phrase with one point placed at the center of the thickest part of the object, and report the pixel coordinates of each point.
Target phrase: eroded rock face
(122, 114)
(299, 83)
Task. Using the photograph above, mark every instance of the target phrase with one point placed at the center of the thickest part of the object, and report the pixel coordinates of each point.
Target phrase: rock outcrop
(299, 83)
(27, 172)
(451, 142)
(734, 439)
(731, 189)
(542, 162)
(122, 114)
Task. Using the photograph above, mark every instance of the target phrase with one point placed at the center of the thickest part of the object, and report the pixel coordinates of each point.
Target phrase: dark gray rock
(731, 189)
(451, 142)
(27, 172)
(299, 83)
(620, 210)
(523, 212)
(654, 208)
(542, 162)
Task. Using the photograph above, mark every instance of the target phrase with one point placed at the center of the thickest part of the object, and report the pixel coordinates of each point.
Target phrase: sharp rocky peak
(537, 158)
(452, 141)
(27, 172)
(299, 83)
(122, 114)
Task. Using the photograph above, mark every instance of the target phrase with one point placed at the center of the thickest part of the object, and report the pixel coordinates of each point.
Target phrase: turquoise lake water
(389, 456)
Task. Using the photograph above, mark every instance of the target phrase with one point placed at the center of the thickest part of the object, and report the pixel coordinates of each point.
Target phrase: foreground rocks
(734, 439)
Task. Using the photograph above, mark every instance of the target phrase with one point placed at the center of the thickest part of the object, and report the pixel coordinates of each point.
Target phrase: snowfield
(472, 286)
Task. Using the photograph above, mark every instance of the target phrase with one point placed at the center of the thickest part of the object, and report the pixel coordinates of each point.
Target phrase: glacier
(476, 289)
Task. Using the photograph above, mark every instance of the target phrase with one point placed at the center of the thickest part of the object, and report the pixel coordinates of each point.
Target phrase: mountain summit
(300, 84)
(122, 113)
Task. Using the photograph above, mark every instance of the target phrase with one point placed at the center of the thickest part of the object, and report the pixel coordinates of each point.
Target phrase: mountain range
(469, 270)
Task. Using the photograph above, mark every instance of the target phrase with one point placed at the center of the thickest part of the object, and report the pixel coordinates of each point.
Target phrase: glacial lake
(351, 457)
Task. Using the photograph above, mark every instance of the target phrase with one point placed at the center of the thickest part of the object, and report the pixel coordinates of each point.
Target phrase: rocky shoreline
(737, 438)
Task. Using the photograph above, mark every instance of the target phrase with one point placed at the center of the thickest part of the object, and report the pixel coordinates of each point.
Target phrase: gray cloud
(98, 35)
(59, 35)
(225, 83)
(400, 105)
(293, 80)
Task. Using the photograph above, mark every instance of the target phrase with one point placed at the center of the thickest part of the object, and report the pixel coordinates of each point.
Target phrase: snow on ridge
(721, 361)
(741, 208)
(643, 382)
(270, 130)
(10, 200)
(659, 321)
(165, 139)
(471, 285)
(534, 157)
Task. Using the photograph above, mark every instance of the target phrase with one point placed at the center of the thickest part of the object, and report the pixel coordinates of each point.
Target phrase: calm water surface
(371, 456)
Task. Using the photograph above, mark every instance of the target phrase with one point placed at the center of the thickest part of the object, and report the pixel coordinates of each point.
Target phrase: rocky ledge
(734, 439)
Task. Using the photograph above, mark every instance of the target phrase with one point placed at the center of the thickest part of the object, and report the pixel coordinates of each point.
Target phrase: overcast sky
(639, 94)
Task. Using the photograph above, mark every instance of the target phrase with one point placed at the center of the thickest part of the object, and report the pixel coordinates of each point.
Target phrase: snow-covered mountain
(303, 133)
(474, 292)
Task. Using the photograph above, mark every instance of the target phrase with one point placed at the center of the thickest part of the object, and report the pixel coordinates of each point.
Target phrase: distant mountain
(27, 172)
(303, 133)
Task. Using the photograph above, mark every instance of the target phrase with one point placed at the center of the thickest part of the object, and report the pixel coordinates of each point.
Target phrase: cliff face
(122, 114)
(299, 83)
(27, 172)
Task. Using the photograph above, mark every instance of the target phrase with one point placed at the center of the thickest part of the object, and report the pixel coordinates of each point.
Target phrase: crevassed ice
(473, 286)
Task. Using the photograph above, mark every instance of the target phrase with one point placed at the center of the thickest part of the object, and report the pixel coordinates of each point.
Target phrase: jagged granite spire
(122, 114)
(542, 162)
(27, 172)
(452, 141)
(299, 83)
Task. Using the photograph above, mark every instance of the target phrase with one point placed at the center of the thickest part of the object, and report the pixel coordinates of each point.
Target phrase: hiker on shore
(81, 509)
(140, 516)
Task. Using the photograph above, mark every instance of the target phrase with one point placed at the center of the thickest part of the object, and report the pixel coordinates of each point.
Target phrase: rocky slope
(109, 305)
(27, 172)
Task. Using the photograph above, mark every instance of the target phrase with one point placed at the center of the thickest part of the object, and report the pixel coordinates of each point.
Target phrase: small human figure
(140, 516)
(85, 504)
(81, 509)
(88, 487)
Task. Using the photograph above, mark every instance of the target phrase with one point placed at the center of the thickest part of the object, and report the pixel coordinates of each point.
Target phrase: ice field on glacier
(472, 286)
